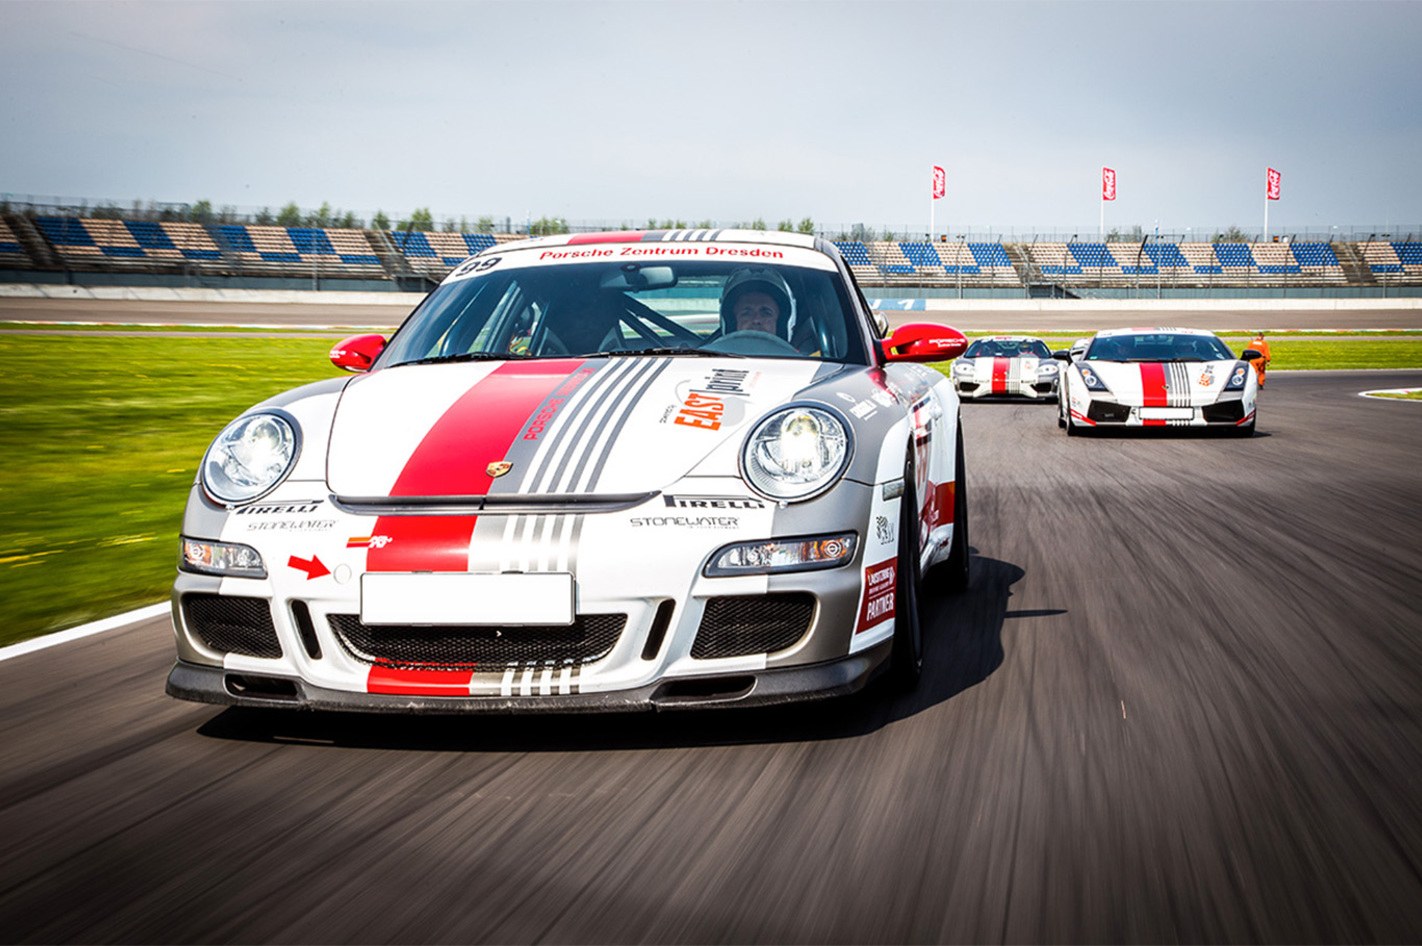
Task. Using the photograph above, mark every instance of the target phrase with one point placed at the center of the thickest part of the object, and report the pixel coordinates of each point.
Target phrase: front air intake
(232, 625)
(420, 647)
(737, 625)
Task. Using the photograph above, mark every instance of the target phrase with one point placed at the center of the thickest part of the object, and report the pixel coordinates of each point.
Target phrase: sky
(727, 110)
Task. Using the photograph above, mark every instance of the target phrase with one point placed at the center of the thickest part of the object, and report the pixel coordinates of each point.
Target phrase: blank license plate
(459, 598)
(1167, 413)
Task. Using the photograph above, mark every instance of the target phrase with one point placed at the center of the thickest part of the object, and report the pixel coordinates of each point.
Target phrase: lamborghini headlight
(250, 457)
(1092, 379)
(1237, 377)
(796, 453)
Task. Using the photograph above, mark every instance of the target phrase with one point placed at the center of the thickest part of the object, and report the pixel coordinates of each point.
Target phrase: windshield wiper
(695, 352)
(466, 356)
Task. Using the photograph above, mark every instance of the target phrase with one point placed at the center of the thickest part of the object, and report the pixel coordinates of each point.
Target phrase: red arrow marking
(313, 568)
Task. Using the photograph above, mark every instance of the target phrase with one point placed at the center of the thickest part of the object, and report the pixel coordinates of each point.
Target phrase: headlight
(221, 558)
(796, 453)
(962, 367)
(782, 555)
(250, 457)
(1092, 379)
(1049, 367)
(1237, 377)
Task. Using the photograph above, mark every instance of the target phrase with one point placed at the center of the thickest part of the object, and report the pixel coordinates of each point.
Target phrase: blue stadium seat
(1166, 255)
(921, 254)
(412, 243)
(1093, 255)
(236, 238)
(989, 254)
(1409, 253)
(478, 242)
(1234, 254)
(149, 235)
(310, 241)
(64, 231)
(1314, 254)
(854, 253)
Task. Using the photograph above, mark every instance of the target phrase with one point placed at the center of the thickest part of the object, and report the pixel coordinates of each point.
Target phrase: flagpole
(1266, 213)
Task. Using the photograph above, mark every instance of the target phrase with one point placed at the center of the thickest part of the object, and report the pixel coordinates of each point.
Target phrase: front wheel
(906, 666)
(955, 569)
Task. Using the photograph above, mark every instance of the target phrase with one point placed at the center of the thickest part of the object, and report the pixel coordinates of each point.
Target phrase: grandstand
(51, 248)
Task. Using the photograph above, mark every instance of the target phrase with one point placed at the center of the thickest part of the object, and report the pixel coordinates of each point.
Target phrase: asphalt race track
(1181, 701)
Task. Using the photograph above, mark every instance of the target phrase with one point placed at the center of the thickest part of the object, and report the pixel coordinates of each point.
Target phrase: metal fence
(58, 206)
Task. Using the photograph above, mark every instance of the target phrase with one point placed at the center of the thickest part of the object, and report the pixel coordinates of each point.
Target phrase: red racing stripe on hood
(453, 460)
(1153, 384)
(999, 375)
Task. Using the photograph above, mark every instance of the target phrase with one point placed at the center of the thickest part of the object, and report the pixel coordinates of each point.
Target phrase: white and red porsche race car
(1157, 377)
(1014, 365)
(592, 472)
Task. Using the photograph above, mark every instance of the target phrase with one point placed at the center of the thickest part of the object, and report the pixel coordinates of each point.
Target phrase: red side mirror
(924, 341)
(358, 352)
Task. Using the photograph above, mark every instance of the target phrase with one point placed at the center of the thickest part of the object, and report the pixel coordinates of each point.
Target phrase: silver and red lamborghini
(1158, 377)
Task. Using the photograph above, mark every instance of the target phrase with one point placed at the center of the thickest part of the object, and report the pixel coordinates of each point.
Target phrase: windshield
(611, 308)
(1008, 348)
(1158, 346)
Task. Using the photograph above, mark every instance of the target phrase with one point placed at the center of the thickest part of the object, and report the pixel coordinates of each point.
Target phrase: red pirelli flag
(1108, 184)
(940, 184)
(1271, 184)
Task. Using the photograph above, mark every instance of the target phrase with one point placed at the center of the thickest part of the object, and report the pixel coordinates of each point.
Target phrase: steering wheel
(751, 343)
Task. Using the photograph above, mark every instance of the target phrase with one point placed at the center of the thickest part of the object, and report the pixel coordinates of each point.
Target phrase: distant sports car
(592, 472)
(1016, 365)
(1157, 377)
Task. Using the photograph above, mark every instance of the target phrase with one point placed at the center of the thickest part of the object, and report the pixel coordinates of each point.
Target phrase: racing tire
(906, 664)
(1246, 431)
(954, 570)
(1071, 428)
(1061, 413)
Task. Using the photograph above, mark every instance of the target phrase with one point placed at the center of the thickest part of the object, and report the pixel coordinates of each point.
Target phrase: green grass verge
(101, 437)
(1402, 395)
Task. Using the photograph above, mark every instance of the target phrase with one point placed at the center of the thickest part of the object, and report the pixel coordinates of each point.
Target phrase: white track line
(84, 630)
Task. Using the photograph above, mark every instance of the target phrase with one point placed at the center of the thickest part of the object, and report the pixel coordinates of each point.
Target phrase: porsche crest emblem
(497, 470)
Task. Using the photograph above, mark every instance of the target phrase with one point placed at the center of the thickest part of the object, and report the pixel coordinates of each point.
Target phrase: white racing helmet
(758, 279)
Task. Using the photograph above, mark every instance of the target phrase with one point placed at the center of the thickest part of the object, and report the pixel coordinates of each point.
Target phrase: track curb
(82, 631)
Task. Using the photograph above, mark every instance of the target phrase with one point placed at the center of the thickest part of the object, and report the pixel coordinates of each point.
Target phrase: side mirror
(1062, 354)
(924, 341)
(1250, 354)
(881, 322)
(358, 352)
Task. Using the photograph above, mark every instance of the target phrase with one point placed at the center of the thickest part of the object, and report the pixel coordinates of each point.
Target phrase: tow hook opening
(704, 688)
(262, 688)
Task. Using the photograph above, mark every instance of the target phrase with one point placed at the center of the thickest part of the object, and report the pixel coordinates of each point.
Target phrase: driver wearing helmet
(756, 299)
